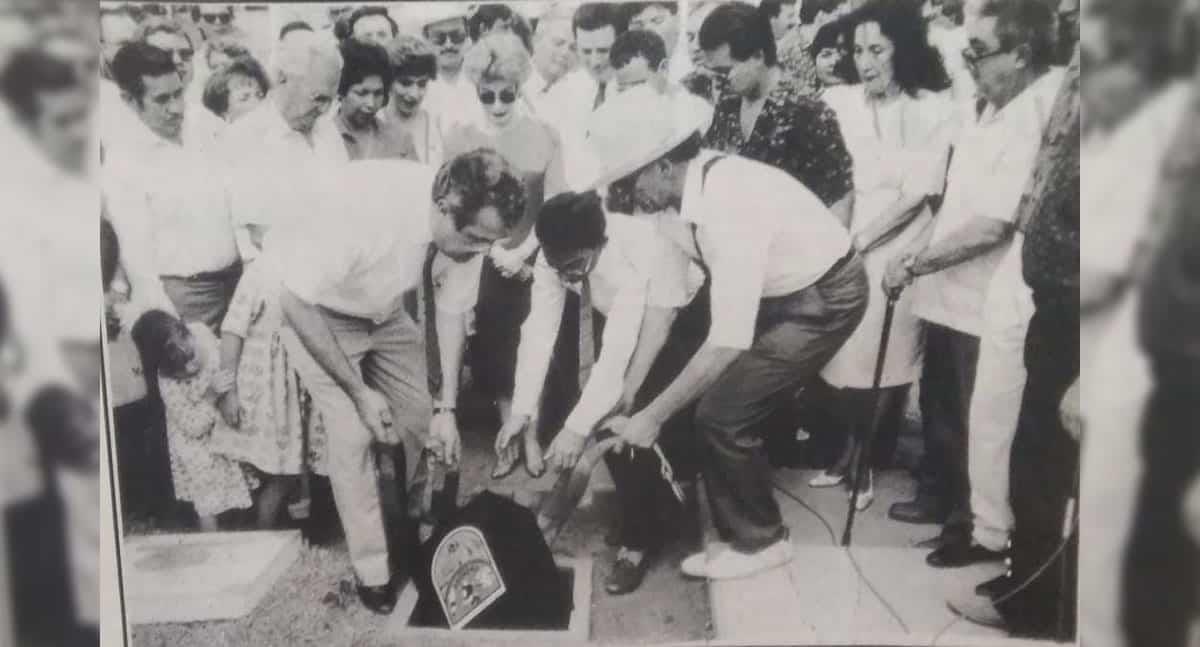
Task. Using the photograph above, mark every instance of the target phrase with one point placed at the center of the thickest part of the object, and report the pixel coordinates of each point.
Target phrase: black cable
(849, 553)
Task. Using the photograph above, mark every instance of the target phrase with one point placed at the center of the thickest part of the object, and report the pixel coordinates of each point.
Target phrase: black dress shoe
(923, 509)
(959, 552)
(995, 587)
(380, 599)
(626, 576)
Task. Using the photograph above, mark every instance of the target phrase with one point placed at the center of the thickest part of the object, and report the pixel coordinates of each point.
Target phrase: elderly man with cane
(787, 290)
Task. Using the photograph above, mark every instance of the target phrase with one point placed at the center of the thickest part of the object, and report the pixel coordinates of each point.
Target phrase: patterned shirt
(794, 133)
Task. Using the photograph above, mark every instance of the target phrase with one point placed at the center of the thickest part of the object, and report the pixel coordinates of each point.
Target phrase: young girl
(266, 410)
(182, 363)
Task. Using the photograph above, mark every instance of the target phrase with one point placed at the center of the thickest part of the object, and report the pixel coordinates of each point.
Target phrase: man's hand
(230, 407)
(896, 277)
(641, 430)
(1069, 412)
(510, 262)
(444, 438)
(375, 413)
(515, 426)
(565, 450)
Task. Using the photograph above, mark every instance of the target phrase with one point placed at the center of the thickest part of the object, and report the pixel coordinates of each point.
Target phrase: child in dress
(182, 364)
(267, 410)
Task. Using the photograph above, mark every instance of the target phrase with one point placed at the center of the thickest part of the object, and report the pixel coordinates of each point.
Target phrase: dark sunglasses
(456, 37)
(487, 97)
(214, 18)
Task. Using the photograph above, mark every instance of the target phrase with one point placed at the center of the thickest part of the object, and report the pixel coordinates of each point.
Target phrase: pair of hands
(374, 411)
(896, 276)
(510, 262)
(640, 430)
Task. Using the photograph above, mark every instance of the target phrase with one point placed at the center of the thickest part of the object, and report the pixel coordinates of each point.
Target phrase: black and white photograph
(565, 322)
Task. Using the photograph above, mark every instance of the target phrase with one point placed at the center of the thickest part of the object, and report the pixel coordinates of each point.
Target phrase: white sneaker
(693, 565)
(825, 479)
(730, 564)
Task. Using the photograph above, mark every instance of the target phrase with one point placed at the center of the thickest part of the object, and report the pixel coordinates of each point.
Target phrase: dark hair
(916, 64)
(361, 61)
(810, 9)
(154, 26)
(772, 8)
(1024, 22)
(835, 35)
(110, 253)
(478, 179)
(216, 91)
(598, 15)
(31, 72)
(743, 28)
(363, 12)
(952, 9)
(635, 43)
(485, 17)
(570, 222)
(295, 25)
(411, 57)
(150, 334)
(54, 416)
(137, 61)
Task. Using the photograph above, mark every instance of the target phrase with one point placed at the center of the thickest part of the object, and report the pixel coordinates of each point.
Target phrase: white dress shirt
(361, 259)
(637, 268)
(454, 103)
(760, 233)
(567, 107)
(170, 202)
(274, 170)
(993, 160)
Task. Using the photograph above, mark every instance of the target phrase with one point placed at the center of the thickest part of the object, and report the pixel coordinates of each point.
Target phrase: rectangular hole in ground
(566, 581)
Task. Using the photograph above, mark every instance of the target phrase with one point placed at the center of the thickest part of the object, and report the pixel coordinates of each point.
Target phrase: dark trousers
(203, 298)
(796, 336)
(39, 571)
(1043, 477)
(649, 511)
(947, 382)
(1161, 568)
(143, 460)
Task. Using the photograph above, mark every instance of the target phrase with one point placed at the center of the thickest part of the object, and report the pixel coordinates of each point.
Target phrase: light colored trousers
(391, 356)
(996, 402)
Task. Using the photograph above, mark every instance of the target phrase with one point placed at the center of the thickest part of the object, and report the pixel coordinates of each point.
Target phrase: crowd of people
(655, 219)
(315, 246)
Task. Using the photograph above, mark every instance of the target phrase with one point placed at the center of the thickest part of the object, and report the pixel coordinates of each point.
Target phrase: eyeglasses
(214, 18)
(974, 58)
(487, 97)
(456, 37)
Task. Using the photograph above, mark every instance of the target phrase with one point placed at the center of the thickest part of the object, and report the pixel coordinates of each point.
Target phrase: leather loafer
(995, 587)
(922, 510)
(958, 553)
(380, 599)
(626, 576)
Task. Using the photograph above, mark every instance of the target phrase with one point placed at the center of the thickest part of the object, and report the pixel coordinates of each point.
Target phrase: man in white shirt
(662, 18)
(787, 290)
(359, 352)
(451, 96)
(953, 267)
(636, 281)
(569, 105)
(170, 210)
(172, 38)
(283, 151)
(553, 54)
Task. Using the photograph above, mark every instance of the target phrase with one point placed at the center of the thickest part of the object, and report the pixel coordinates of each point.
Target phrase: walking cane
(864, 450)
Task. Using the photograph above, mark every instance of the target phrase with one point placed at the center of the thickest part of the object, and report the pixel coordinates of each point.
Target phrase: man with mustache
(451, 96)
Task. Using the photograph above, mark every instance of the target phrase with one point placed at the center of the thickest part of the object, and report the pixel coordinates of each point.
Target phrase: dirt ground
(315, 604)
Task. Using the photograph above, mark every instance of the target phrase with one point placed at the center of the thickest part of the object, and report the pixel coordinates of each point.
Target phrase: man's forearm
(700, 373)
(314, 333)
(897, 217)
(656, 328)
(971, 241)
(452, 336)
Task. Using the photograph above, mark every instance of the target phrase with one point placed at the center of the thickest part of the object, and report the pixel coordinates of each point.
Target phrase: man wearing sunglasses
(214, 21)
(451, 96)
(632, 282)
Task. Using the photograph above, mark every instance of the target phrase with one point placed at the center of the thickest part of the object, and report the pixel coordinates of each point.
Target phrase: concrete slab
(203, 576)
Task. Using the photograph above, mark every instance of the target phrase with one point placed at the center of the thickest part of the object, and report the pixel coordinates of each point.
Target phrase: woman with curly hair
(898, 125)
(498, 65)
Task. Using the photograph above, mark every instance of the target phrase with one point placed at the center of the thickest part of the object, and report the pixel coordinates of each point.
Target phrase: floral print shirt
(795, 133)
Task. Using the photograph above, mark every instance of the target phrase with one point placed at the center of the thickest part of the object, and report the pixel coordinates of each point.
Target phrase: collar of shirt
(1027, 113)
